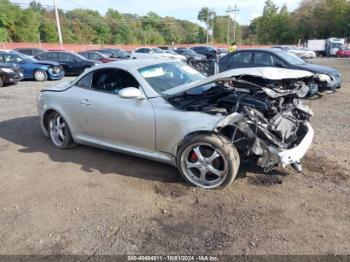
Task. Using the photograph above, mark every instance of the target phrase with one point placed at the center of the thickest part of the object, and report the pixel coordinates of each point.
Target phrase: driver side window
(266, 59)
(9, 58)
(112, 80)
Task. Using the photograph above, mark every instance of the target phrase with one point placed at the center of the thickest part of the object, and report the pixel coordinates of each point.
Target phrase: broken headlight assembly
(323, 77)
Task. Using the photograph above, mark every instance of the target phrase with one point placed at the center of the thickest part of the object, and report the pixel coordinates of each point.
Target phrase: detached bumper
(335, 84)
(58, 76)
(295, 154)
(274, 156)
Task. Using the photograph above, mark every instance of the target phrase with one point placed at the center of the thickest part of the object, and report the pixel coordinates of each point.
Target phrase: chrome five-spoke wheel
(204, 165)
(208, 161)
(59, 131)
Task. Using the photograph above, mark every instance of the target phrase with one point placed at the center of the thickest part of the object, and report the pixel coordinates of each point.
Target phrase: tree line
(37, 23)
(313, 19)
(277, 25)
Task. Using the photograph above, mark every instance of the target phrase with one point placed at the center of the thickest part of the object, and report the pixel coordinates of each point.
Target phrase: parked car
(30, 51)
(208, 51)
(309, 54)
(166, 48)
(328, 78)
(292, 49)
(191, 56)
(167, 111)
(176, 56)
(97, 56)
(32, 68)
(343, 52)
(73, 64)
(154, 53)
(119, 53)
(107, 53)
(10, 74)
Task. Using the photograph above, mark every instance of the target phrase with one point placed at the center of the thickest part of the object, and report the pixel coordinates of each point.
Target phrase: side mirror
(131, 93)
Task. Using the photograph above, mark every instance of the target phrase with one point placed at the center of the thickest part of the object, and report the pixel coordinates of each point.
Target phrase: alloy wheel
(204, 165)
(40, 75)
(57, 127)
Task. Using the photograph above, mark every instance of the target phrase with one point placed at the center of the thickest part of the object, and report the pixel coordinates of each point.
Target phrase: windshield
(189, 52)
(291, 58)
(336, 45)
(210, 49)
(165, 76)
(120, 52)
(79, 56)
(22, 57)
(158, 50)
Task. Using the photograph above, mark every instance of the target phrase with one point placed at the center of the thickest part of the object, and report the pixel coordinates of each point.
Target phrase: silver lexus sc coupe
(169, 112)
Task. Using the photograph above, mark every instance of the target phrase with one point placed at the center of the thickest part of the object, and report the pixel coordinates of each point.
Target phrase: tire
(40, 75)
(1, 82)
(59, 132)
(208, 161)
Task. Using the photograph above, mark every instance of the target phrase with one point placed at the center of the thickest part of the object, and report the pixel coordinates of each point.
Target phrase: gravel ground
(90, 201)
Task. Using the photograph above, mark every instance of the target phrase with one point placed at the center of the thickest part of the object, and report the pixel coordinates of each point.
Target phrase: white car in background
(308, 53)
(155, 53)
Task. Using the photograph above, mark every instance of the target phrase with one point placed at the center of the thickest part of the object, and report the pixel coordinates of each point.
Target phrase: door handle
(85, 102)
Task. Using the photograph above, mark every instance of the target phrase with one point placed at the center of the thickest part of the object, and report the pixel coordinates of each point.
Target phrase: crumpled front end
(329, 82)
(263, 118)
(282, 140)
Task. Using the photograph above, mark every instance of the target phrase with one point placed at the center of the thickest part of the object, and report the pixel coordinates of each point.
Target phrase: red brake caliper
(194, 157)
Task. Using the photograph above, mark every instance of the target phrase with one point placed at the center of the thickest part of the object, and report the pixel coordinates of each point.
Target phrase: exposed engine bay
(262, 117)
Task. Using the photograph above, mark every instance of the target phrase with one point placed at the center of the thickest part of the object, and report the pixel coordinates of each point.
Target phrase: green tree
(204, 17)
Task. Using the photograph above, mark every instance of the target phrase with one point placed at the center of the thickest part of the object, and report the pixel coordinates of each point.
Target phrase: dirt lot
(91, 201)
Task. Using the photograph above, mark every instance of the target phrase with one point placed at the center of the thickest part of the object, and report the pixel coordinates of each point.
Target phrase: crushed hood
(270, 73)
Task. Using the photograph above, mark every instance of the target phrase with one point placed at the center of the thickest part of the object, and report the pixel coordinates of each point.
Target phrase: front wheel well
(207, 132)
(46, 118)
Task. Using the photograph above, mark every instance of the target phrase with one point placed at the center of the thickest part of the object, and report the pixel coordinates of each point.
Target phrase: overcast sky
(182, 9)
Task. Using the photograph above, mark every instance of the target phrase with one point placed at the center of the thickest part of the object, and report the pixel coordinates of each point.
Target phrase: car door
(265, 59)
(71, 64)
(236, 60)
(107, 117)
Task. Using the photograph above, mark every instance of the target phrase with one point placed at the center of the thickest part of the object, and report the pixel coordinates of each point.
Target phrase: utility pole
(207, 24)
(235, 10)
(39, 39)
(58, 24)
(228, 11)
(212, 14)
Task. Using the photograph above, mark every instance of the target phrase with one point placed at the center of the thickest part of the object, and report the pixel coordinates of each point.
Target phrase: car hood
(44, 62)
(318, 69)
(270, 73)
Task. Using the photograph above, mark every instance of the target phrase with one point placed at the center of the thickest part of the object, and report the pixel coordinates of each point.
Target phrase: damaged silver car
(168, 112)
